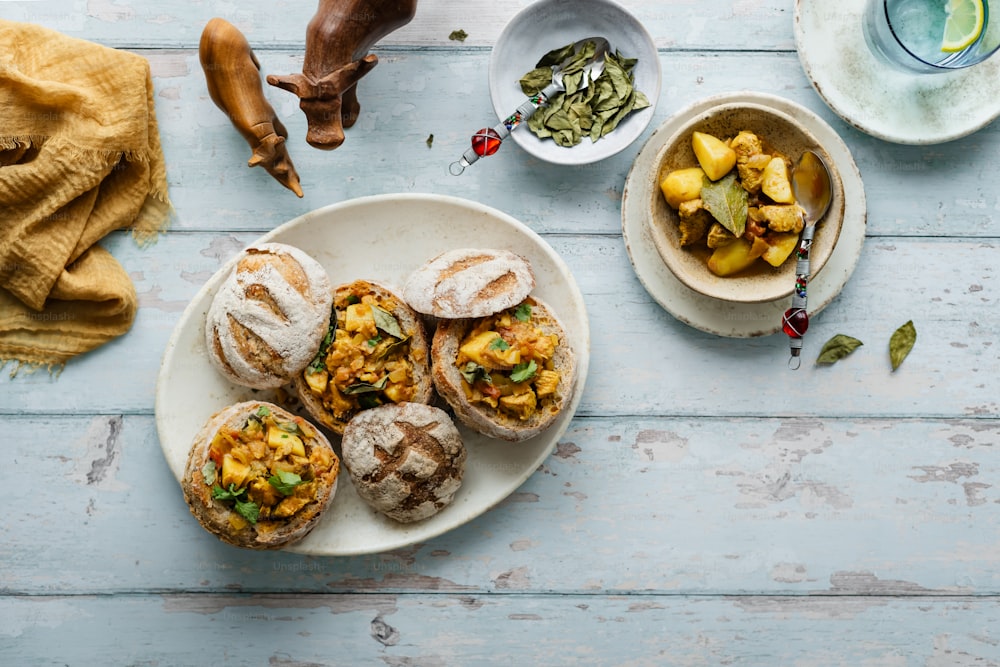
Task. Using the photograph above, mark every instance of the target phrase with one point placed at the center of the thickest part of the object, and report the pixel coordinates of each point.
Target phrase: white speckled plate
(877, 99)
(382, 237)
(725, 318)
(550, 24)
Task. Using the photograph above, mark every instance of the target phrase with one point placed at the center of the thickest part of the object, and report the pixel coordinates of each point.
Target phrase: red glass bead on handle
(795, 322)
(486, 142)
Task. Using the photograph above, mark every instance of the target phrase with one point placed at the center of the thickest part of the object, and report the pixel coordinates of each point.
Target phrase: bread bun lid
(268, 317)
(507, 375)
(469, 282)
(375, 352)
(258, 476)
(406, 460)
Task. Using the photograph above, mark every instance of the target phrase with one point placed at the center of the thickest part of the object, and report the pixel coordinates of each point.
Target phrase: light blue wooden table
(707, 506)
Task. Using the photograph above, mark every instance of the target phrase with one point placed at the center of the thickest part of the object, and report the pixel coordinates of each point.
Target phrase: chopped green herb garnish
(263, 411)
(353, 299)
(208, 472)
(524, 372)
(290, 427)
(372, 342)
(246, 509)
(523, 312)
(499, 344)
(284, 481)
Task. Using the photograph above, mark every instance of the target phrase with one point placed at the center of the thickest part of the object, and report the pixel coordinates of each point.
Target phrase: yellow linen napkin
(80, 156)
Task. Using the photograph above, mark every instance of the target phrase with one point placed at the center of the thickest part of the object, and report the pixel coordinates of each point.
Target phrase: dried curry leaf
(366, 387)
(901, 342)
(726, 200)
(458, 35)
(837, 348)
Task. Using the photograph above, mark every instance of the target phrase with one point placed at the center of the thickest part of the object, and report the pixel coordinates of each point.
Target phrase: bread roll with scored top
(469, 282)
(507, 375)
(364, 361)
(406, 460)
(227, 480)
(269, 316)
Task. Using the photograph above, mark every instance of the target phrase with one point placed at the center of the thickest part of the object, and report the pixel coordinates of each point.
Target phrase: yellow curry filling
(265, 469)
(506, 363)
(364, 360)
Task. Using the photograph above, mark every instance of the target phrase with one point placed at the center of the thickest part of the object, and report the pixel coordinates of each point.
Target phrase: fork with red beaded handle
(795, 321)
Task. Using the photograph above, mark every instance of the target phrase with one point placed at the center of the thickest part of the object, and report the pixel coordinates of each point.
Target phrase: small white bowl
(549, 24)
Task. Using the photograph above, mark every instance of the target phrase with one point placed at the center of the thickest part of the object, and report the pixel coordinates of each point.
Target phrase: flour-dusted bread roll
(258, 476)
(406, 460)
(269, 316)
(507, 375)
(375, 352)
(469, 282)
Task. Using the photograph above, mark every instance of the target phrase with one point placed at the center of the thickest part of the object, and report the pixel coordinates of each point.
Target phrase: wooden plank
(412, 95)
(950, 286)
(711, 506)
(730, 24)
(443, 630)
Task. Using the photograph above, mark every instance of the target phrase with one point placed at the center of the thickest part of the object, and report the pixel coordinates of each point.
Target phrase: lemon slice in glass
(963, 25)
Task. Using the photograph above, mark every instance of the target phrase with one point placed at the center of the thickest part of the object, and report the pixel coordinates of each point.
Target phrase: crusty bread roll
(469, 282)
(360, 364)
(406, 460)
(268, 317)
(501, 395)
(258, 476)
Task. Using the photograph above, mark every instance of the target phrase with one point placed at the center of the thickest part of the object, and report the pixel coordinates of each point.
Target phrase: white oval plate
(551, 24)
(383, 238)
(724, 318)
(879, 100)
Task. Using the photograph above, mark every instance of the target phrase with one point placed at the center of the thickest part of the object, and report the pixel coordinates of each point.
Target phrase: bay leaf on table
(837, 348)
(901, 342)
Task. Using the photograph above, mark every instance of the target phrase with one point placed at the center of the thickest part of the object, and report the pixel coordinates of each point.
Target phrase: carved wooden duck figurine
(338, 39)
(234, 84)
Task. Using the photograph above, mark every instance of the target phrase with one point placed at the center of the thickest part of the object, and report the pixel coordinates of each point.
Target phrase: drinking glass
(908, 34)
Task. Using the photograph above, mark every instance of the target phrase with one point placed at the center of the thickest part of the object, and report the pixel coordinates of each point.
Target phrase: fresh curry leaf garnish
(208, 473)
(473, 371)
(366, 387)
(385, 321)
(391, 347)
(499, 344)
(524, 371)
(285, 482)
(726, 200)
(368, 401)
(901, 343)
(523, 312)
(837, 348)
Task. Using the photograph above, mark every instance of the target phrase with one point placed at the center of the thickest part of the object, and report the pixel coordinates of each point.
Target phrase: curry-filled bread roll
(406, 460)
(258, 476)
(507, 375)
(375, 352)
(268, 317)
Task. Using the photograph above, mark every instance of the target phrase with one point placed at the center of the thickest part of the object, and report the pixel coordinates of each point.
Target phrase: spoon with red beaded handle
(811, 185)
(487, 141)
